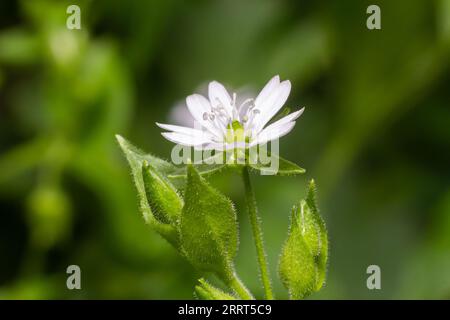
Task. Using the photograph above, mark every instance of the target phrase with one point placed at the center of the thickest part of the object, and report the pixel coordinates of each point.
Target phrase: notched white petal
(198, 105)
(268, 88)
(290, 117)
(273, 103)
(185, 140)
(273, 133)
(181, 129)
(219, 96)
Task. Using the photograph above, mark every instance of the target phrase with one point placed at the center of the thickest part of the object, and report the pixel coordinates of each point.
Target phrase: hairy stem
(257, 234)
(236, 284)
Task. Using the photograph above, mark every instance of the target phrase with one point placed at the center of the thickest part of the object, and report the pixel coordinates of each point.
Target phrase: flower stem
(257, 234)
(236, 284)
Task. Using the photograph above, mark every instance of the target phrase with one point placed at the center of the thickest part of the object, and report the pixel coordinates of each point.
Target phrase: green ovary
(235, 133)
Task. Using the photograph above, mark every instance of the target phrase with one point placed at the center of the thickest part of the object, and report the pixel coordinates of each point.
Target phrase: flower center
(236, 124)
(235, 133)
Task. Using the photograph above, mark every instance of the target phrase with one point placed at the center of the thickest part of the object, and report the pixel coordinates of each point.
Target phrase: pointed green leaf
(302, 266)
(206, 291)
(208, 227)
(135, 159)
(276, 166)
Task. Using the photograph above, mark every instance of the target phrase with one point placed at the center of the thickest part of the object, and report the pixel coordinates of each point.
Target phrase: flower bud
(208, 227)
(206, 291)
(162, 197)
(302, 266)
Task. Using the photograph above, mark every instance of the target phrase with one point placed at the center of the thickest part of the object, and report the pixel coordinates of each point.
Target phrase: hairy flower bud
(162, 197)
(205, 291)
(302, 266)
(208, 227)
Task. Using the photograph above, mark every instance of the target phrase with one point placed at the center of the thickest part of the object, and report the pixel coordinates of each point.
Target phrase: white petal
(185, 140)
(273, 133)
(217, 93)
(267, 90)
(272, 104)
(180, 115)
(184, 130)
(198, 105)
(290, 117)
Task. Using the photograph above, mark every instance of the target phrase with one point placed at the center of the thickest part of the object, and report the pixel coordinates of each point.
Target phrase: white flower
(221, 124)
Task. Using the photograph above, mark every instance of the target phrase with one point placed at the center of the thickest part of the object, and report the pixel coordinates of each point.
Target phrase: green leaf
(162, 197)
(18, 47)
(303, 260)
(276, 166)
(135, 159)
(208, 227)
(265, 165)
(207, 291)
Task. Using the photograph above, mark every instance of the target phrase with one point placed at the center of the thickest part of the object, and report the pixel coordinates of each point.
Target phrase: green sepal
(223, 160)
(136, 159)
(303, 260)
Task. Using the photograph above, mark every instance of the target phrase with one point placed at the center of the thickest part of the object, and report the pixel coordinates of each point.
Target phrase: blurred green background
(375, 135)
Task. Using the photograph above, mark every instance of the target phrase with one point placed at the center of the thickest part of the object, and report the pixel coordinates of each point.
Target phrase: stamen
(251, 118)
(220, 113)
